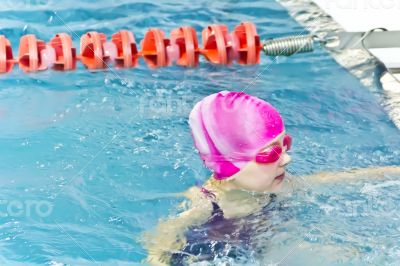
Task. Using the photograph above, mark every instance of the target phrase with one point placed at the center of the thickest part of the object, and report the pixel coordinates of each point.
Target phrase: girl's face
(263, 177)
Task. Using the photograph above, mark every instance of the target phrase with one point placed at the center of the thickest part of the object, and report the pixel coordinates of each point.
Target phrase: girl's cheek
(271, 170)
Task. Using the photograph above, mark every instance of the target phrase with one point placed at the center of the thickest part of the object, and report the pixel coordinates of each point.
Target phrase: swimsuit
(221, 237)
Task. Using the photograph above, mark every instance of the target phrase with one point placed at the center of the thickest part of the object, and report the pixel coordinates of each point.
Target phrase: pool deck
(365, 15)
(321, 17)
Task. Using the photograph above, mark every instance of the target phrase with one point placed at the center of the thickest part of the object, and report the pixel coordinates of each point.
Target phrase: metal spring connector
(287, 46)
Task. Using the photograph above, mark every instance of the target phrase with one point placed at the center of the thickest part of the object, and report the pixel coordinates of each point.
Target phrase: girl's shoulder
(201, 195)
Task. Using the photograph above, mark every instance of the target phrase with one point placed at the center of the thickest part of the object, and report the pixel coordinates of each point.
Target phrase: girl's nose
(285, 160)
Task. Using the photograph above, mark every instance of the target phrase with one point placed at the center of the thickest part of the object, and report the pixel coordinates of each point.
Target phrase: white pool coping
(361, 15)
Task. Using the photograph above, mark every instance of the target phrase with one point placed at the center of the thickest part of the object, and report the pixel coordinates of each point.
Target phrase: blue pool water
(88, 161)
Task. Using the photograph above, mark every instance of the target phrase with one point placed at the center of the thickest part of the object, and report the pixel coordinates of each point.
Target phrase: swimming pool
(88, 160)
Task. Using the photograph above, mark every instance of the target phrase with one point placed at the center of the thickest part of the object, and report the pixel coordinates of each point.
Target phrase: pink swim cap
(230, 128)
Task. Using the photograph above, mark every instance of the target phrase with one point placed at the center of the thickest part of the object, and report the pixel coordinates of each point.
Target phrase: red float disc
(6, 55)
(186, 39)
(29, 53)
(126, 47)
(65, 53)
(215, 45)
(92, 54)
(154, 47)
(249, 43)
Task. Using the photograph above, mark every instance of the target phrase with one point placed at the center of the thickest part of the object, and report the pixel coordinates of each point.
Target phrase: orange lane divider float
(96, 52)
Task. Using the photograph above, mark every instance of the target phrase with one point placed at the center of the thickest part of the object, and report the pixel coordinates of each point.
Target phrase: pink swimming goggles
(270, 154)
(274, 152)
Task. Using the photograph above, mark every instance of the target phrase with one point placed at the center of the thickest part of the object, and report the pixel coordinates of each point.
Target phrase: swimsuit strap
(208, 194)
(217, 211)
(272, 197)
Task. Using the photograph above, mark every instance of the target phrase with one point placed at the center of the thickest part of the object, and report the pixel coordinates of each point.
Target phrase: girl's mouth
(280, 177)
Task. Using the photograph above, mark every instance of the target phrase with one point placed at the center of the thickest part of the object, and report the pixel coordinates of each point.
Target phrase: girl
(242, 139)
